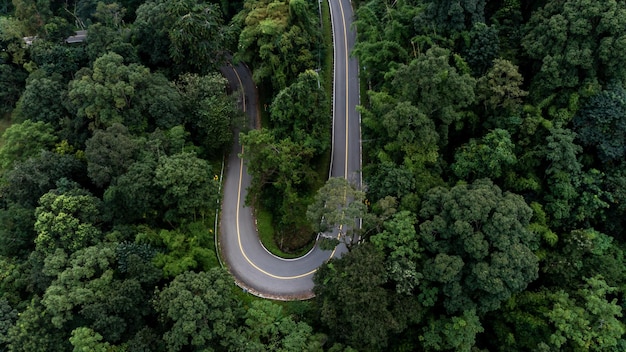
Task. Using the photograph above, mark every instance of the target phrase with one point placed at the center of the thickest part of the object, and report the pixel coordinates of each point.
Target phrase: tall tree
(354, 305)
(601, 123)
(301, 112)
(42, 100)
(198, 310)
(109, 154)
(189, 33)
(280, 163)
(86, 289)
(500, 91)
(576, 43)
(210, 113)
(113, 92)
(491, 157)
(68, 220)
(188, 185)
(12, 80)
(279, 39)
(399, 241)
(439, 90)
(267, 328)
(338, 204)
(478, 249)
(31, 179)
(33, 332)
(24, 140)
(454, 15)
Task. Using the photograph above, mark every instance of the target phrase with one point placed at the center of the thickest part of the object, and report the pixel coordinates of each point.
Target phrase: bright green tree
(24, 140)
(491, 157)
(189, 187)
(267, 328)
(279, 39)
(301, 112)
(67, 220)
(399, 241)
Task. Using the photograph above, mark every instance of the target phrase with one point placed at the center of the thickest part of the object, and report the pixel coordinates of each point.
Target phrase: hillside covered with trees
(493, 207)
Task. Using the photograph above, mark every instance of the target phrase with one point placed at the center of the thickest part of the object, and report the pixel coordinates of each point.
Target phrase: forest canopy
(493, 206)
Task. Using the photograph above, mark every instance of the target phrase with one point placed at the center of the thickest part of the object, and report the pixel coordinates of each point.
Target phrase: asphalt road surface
(254, 268)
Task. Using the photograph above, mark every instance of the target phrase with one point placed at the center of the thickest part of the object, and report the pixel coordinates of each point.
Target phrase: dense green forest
(494, 203)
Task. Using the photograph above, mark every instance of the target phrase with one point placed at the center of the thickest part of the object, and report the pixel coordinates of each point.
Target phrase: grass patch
(267, 235)
(323, 164)
(327, 40)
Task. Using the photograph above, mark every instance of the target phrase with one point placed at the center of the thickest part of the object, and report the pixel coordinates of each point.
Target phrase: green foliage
(11, 39)
(399, 241)
(57, 59)
(182, 249)
(601, 123)
(134, 195)
(31, 179)
(588, 321)
(128, 94)
(109, 154)
(353, 302)
(210, 113)
(198, 310)
(301, 112)
(491, 157)
(42, 100)
(435, 88)
(189, 187)
(457, 333)
(86, 340)
(454, 15)
(33, 331)
(103, 39)
(188, 33)
(17, 232)
(385, 31)
(67, 220)
(8, 316)
(576, 48)
(338, 204)
(12, 80)
(500, 90)
(279, 39)
(24, 140)
(484, 48)
(267, 328)
(32, 14)
(279, 169)
(478, 249)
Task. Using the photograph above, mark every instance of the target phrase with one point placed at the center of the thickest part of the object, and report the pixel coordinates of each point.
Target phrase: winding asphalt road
(254, 268)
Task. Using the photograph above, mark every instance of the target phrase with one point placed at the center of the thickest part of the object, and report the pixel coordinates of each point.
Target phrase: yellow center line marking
(345, 45)
(239, 207)
(243, 94)
(239, 235)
